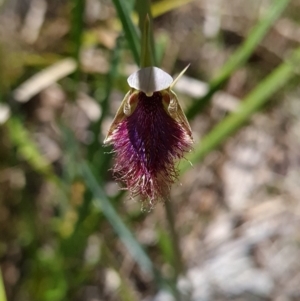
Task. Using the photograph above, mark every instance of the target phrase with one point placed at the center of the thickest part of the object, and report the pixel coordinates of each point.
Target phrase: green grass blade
(101, 201)
(241, 55)
(129, 28)
(2, 289)
(261, 94)
(77, 34)
(164, 6)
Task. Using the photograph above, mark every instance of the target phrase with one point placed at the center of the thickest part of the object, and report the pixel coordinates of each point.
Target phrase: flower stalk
(150, 134)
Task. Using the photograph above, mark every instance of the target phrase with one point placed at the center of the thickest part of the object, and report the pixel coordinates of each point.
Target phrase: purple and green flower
(149, 134)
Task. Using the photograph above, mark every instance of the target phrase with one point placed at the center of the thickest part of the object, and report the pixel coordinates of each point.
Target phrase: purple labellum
(147, 143)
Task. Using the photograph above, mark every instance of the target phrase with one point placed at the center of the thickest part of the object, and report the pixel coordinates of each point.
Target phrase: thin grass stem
(2, 289)
(76, 35)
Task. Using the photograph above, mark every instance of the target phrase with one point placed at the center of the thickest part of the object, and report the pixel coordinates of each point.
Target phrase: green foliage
(83, 208)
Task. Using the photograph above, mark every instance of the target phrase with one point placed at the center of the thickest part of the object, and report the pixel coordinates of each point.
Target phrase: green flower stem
(177, 260)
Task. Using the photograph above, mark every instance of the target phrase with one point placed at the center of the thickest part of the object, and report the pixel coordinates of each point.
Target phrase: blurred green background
(230, 230)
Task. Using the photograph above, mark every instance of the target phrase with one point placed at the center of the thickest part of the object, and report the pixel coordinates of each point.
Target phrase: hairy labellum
(149, 134)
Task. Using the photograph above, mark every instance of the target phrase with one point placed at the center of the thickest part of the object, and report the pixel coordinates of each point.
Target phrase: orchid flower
(149, 134)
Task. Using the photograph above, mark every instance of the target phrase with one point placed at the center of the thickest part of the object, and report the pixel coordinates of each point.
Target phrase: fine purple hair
(147, 145)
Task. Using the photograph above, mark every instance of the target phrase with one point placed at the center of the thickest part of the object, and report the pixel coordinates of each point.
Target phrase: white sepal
(150, 80)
